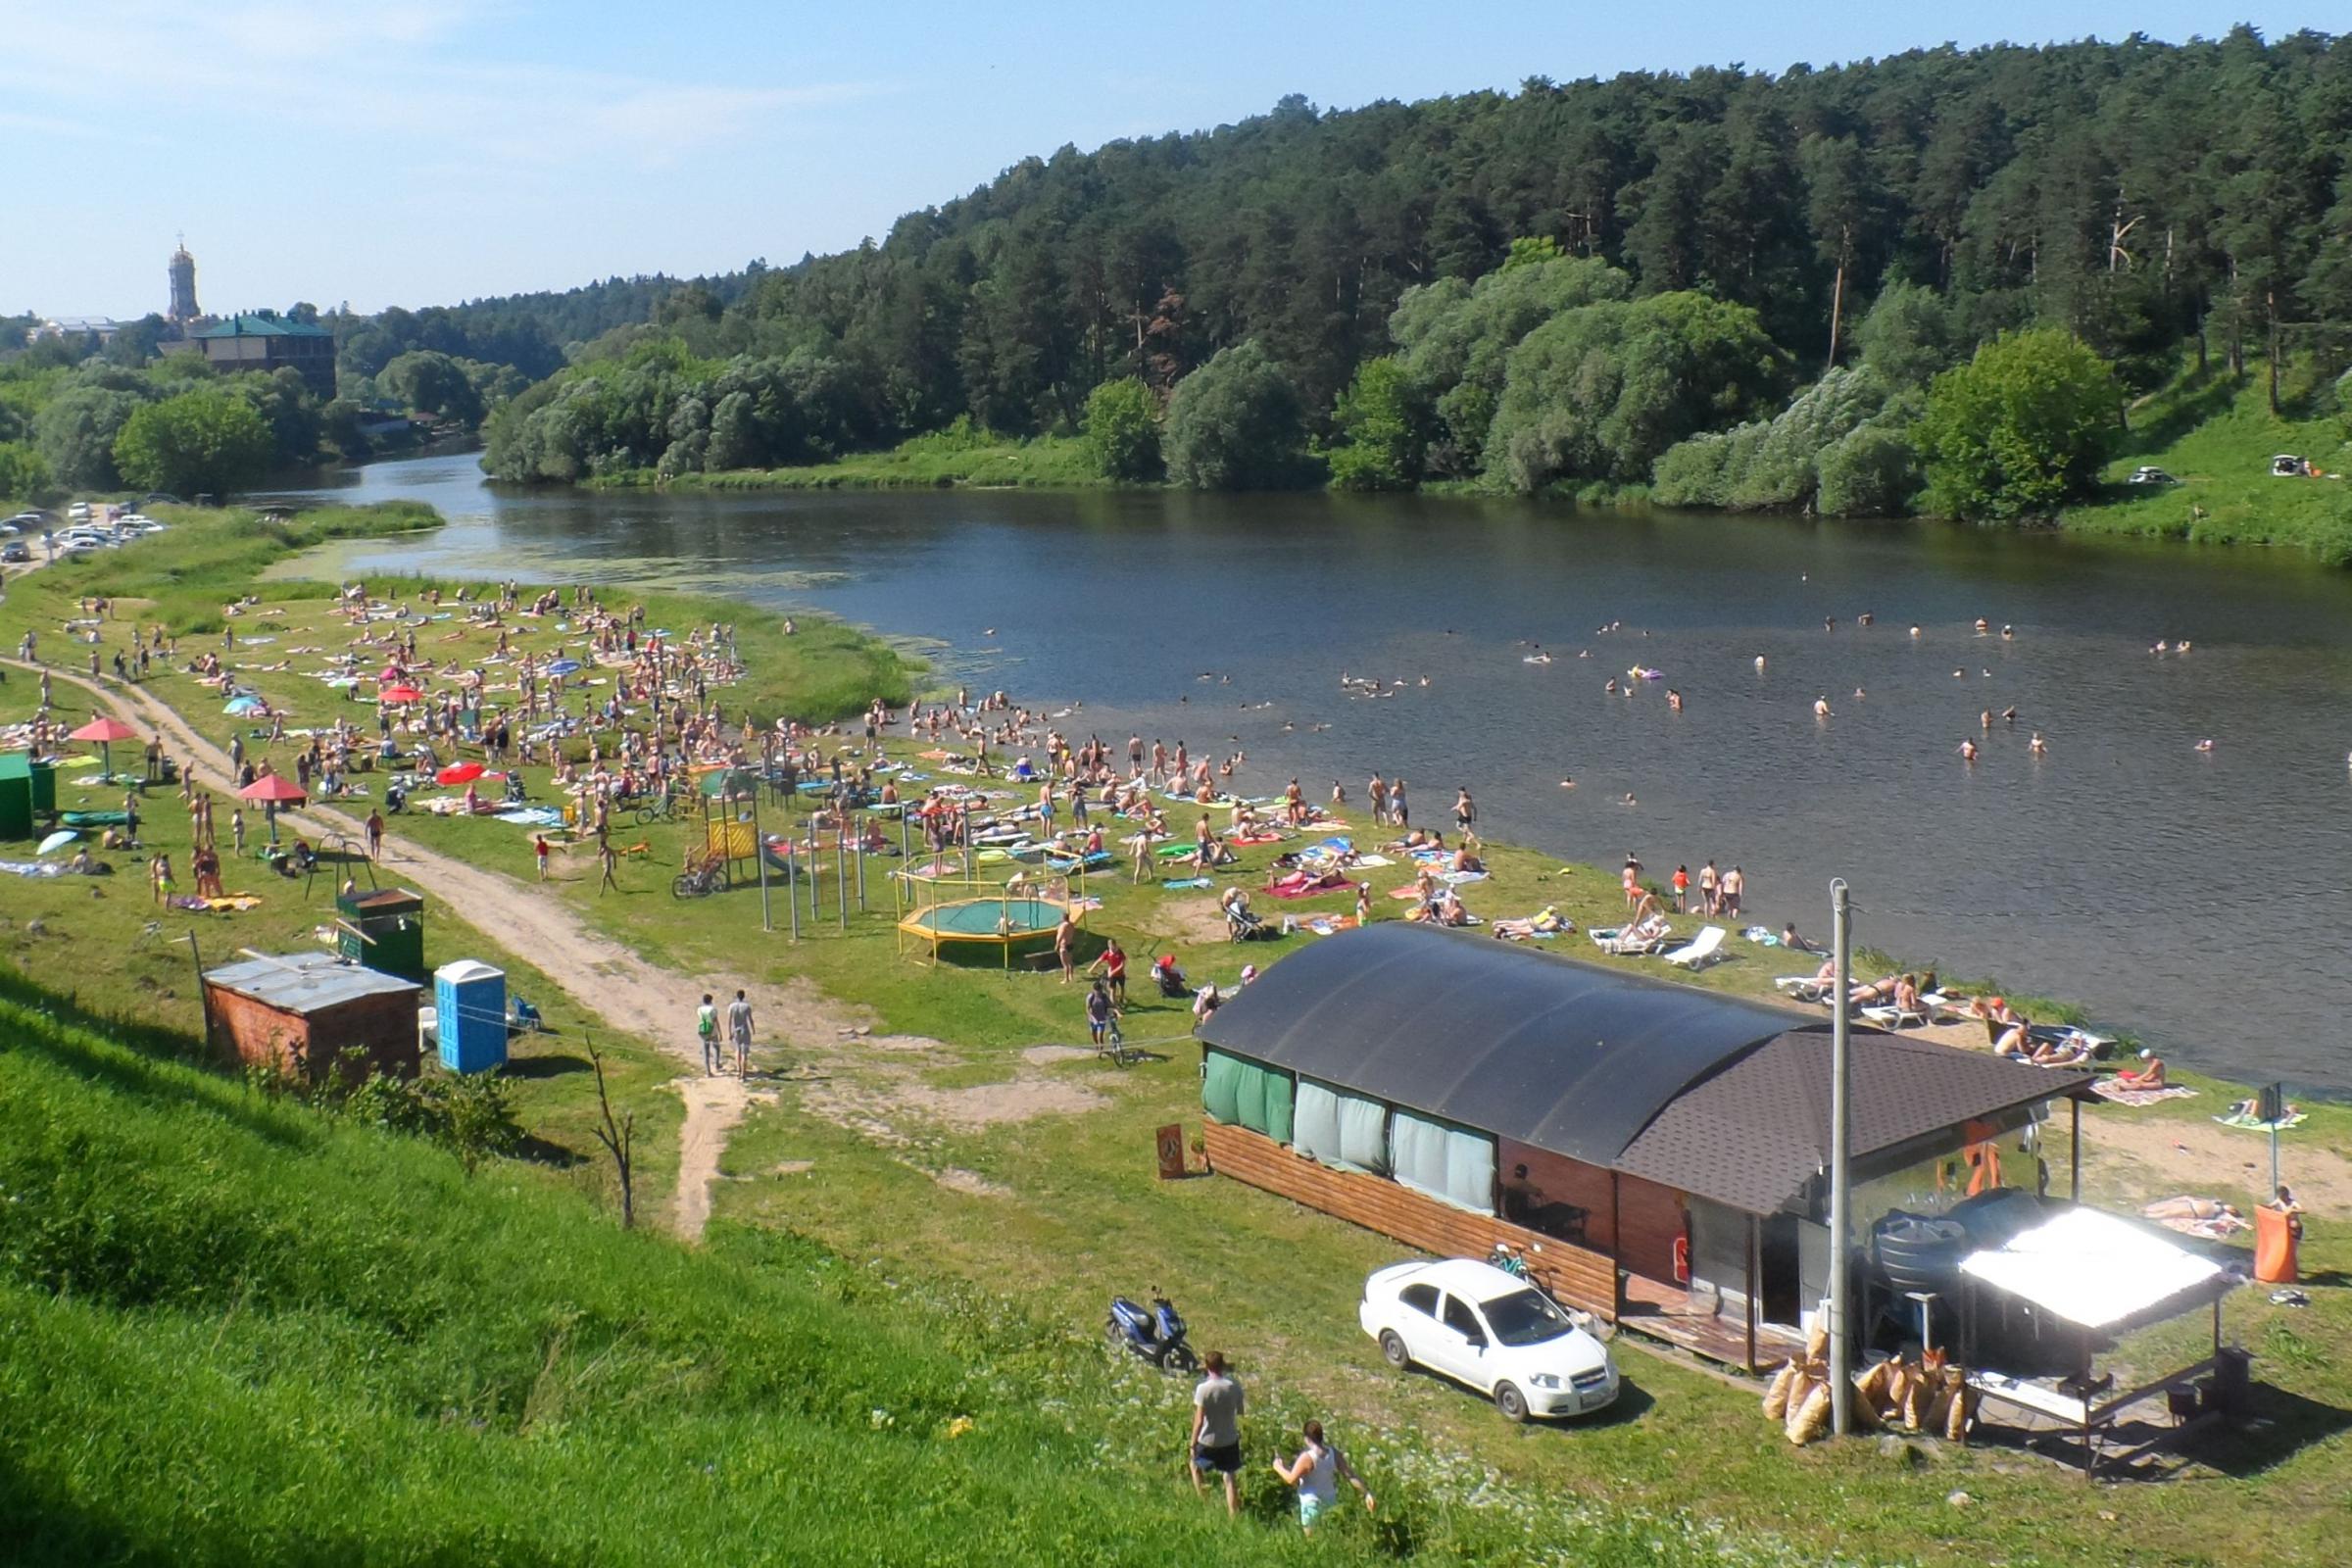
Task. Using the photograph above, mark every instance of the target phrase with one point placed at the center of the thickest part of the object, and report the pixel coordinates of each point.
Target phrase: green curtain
(1247, 1094)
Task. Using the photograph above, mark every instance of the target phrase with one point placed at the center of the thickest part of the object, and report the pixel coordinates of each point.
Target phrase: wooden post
(1754, 1249)
(2074, 1153)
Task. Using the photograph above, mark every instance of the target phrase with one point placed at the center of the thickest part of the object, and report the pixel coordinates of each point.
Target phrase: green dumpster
(385, 931)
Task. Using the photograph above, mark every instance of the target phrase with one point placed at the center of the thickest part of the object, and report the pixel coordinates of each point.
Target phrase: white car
(1488, 1331)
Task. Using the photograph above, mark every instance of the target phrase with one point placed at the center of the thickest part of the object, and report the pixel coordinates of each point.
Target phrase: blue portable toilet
(470, 1014)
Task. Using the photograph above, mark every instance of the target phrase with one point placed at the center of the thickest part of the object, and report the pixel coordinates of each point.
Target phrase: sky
(420, 152)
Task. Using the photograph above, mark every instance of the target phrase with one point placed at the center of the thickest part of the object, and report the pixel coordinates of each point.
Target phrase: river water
(2194, 896)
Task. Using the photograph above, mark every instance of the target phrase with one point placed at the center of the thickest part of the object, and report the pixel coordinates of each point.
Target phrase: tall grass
(239, 1333)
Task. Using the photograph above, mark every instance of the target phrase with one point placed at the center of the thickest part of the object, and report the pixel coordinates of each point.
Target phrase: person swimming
(2037, 746)
(1968, 750)
(1821, 707)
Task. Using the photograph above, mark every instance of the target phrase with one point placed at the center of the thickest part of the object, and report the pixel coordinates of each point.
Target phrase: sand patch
(986, 1106)
(2186, 1151)
(792, 1167)
(956, 1179)
(1046, 1056)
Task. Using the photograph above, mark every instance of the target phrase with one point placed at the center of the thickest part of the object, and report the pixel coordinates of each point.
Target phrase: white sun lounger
(1890, 1016)
(1632, 942)
(1802, 986)
(1702, 950)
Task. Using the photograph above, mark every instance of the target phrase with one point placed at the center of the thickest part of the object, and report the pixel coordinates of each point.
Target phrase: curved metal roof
(1570, 1056)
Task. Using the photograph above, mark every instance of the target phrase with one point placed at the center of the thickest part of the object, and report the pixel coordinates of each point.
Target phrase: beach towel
(534, 816)
(1408, 891)
(2109, 1089)
(1305, 884)
(1185, 883)
(2245, 1120)
(1457, 878)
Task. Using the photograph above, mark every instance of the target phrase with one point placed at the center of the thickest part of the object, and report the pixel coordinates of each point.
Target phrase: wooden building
(301, 1012)
(270, 343)
(1658, 1152)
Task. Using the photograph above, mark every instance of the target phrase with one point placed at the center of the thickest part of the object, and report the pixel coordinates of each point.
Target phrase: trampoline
(999, 926)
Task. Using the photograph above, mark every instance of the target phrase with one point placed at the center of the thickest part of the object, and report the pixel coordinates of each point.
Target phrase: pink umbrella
(271, 789)
(392, 672)
(400, 694)
(459, 773)
(106, 729)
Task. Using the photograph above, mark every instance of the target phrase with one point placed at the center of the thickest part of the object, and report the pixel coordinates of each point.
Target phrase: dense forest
(1737, 288)
(1689, 252)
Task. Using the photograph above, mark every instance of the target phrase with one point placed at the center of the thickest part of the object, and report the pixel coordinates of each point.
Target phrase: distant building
(183, 312)
(270, 343)
(102, 327)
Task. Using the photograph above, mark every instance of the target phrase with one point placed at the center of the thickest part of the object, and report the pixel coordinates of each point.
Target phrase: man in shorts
(1217, 1429)
(739, 1031)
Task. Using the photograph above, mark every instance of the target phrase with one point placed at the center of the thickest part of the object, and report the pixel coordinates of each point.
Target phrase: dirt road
(609, 979)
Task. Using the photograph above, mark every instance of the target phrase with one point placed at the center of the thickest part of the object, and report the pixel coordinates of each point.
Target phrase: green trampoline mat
(980, 917)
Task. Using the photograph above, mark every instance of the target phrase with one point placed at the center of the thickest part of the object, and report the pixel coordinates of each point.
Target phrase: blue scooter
(1158, 1336)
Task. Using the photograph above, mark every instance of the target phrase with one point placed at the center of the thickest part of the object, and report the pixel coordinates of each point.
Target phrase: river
(2188, 895)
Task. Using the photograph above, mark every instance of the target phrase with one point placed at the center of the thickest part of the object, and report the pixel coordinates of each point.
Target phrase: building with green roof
(270, 343)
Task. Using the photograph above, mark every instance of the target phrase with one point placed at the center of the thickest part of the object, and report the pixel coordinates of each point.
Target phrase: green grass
(243, 1334)
(2217, 435)
(943, 459)
(865, 1156)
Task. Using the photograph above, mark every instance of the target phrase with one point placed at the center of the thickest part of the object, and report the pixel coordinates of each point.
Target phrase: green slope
(239, 1332)
(2216, 436)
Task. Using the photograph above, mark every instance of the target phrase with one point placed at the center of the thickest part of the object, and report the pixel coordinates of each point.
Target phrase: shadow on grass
(2209, 396)
(139, 1074)
(553, 1066)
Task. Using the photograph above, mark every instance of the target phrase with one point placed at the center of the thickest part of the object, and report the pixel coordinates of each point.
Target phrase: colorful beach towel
(2246, 1121)
(2109, 1089)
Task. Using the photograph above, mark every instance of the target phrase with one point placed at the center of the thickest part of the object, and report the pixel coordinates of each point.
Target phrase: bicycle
(703, 877)
(660, 808)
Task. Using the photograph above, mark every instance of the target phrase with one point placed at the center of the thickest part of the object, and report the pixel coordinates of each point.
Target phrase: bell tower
(183, 309)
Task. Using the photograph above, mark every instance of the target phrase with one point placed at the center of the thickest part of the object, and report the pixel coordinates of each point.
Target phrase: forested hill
(2137, 194)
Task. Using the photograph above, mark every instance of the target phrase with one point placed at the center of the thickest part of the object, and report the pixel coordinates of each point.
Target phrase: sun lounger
(1890, 1016)
(1802, 986)
(1702, 950)
(1634, 942)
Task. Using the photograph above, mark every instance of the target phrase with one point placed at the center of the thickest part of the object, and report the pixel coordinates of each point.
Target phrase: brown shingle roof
(1752, 1135)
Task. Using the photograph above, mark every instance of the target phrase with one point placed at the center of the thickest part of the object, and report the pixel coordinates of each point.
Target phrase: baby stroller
(1242, 924)
(1170, 978)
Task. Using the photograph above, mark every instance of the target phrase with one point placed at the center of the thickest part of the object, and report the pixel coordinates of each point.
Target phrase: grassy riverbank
(2217, 435)
(967, 1140)
(957, 459)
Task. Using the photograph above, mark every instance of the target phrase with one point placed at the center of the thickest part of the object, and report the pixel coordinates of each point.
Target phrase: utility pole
(1841, 1138)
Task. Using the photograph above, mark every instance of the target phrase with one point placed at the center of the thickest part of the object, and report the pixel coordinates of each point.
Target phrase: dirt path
(2192, 1149)
(845, 1072)
(610, 980)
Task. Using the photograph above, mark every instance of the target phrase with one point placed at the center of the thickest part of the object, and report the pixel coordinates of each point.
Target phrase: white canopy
(2094, 1268)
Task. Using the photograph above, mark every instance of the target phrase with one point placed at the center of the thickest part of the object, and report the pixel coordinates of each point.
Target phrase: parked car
(2287, 466)
(2151, 475)
(14, 552)
(1488, 1331)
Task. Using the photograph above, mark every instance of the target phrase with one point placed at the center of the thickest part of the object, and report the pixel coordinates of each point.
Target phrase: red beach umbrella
(459, 773)
(106, 729)
(271, 790)
(400, 694)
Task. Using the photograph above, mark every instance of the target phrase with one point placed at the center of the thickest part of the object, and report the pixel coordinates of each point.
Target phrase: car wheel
(1392, 1346)
(1511, 1402)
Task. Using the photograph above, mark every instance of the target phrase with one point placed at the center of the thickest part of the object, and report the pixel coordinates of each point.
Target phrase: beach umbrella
(400, 694)
(243, 706)
(392, 672)
(270, 789)
(459, 773)
(106, 729)
(564, 667)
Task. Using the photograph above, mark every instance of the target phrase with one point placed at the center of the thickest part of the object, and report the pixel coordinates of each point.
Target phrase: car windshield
(1525, 1317)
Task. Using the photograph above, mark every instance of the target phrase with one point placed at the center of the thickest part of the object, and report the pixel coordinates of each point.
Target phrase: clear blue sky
(415, 152)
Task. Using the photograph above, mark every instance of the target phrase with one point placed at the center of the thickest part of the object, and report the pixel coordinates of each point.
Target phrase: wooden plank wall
(1648, 1219)
(1575, 1275)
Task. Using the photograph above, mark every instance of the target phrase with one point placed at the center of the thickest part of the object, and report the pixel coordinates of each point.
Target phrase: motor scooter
(1158, 1336)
